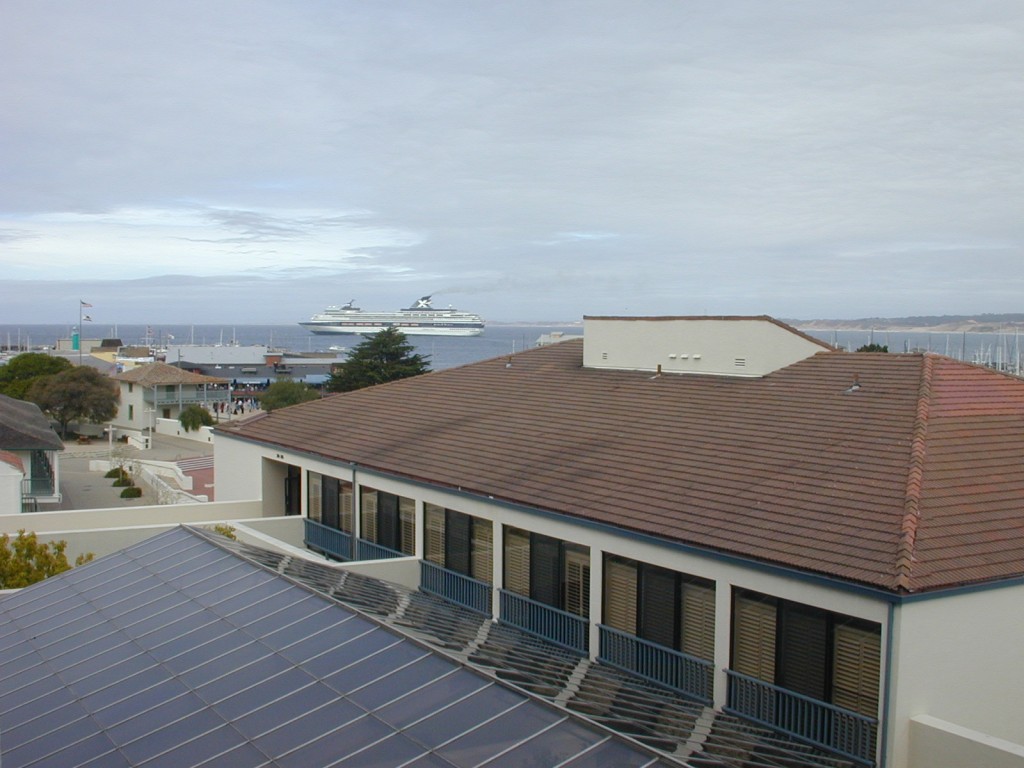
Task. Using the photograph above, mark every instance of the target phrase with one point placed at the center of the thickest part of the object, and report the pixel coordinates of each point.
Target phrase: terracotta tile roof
(901, 471)
(159, 374)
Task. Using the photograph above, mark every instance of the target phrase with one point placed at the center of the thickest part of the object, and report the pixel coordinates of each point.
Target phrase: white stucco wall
(237, 466)
(960, 659)
(10, 489)
(737, 347)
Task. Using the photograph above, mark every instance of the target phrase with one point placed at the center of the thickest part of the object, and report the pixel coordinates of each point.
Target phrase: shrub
(131, 492)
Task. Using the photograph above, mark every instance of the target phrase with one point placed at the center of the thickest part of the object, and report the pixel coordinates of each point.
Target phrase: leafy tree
(81, 393)
(193, 416)
(281, 394)
(22, 370)
(24, 561)
(874, 348)
(384, 356)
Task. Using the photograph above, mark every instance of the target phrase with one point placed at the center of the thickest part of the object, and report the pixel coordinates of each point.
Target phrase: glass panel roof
(184, 652)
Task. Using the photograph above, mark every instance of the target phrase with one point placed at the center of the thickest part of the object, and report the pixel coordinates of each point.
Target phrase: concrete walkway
(82, 488)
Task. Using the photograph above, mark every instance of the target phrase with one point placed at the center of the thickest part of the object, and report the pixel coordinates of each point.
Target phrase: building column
(498, 566)
(723, 635)
(596, 600)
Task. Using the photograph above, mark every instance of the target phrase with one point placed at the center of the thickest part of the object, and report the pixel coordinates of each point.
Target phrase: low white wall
(934, 743)
(128, 517)
(400, 570)
(173, 428)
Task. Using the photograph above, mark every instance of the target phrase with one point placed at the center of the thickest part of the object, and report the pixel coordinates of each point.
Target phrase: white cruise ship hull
(408, 330)
(421, 319)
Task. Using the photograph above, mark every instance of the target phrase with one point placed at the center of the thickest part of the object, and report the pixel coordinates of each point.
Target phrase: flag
(85, 303)
(86, 317)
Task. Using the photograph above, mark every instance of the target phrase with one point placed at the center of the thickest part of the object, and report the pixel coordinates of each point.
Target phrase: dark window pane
(457, 535)
(659, 601)
(803, 654)
(545, 573)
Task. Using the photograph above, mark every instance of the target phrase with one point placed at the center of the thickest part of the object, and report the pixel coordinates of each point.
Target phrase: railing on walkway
(680, 671)
(37, 486)
(456, 587)
(330, 541)
(558, 626)
(817, 722)
(367, 550)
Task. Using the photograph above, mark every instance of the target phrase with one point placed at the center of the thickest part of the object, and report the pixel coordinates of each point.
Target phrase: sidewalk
(84, 489)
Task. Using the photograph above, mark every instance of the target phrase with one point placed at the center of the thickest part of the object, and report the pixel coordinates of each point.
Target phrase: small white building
(29, 450)
(160, 391)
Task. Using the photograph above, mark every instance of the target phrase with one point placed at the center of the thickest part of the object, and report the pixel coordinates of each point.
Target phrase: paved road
(84, 489)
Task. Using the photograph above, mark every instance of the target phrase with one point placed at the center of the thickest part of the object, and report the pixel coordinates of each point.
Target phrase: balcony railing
(816, 722)
(456, 587)
(37, 487)
(680, 671)
(558, 626)
(186, 397)
(367, 550)
(330, 541)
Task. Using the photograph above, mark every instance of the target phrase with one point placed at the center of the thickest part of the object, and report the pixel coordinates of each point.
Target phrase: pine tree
(384, 356)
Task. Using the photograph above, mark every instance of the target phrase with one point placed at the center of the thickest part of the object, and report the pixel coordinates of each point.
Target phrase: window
(131, 412)
(660, 605)
(459, 542)
(388, 520)
(330, 502)
(827, 656)
(548, 570)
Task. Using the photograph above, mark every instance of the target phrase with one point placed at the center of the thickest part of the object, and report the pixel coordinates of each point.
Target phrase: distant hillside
(989, 323)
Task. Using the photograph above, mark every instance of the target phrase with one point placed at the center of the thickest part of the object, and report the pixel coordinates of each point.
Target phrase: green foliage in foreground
(24, 560)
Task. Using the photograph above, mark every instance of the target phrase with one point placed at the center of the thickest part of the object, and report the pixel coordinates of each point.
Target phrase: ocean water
(999, 350)
(443, 351)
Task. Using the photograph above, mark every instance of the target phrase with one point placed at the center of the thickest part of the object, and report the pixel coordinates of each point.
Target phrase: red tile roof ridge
(912, 504)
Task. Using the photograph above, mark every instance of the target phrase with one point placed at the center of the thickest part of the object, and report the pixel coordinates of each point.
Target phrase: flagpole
(79, 331)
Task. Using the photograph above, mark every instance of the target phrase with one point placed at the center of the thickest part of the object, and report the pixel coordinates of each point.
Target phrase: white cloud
(565, 158)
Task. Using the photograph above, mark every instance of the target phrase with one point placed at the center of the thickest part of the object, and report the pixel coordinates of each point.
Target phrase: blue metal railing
(330, 541)
(816, 722)
(455, 587)
(680, 671)
(367, 550)
(560, 627)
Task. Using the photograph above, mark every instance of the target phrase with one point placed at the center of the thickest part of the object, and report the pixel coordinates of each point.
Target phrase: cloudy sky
(251, 161)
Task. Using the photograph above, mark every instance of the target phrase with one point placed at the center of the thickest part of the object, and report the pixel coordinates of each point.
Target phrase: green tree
(79, 394)
(24, 561)
(193, 416)
(384, 356)
(22, 370)
(281, 394)
(873, 348)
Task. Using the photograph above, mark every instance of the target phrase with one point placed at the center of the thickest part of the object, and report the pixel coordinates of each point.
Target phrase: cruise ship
(421, 319)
